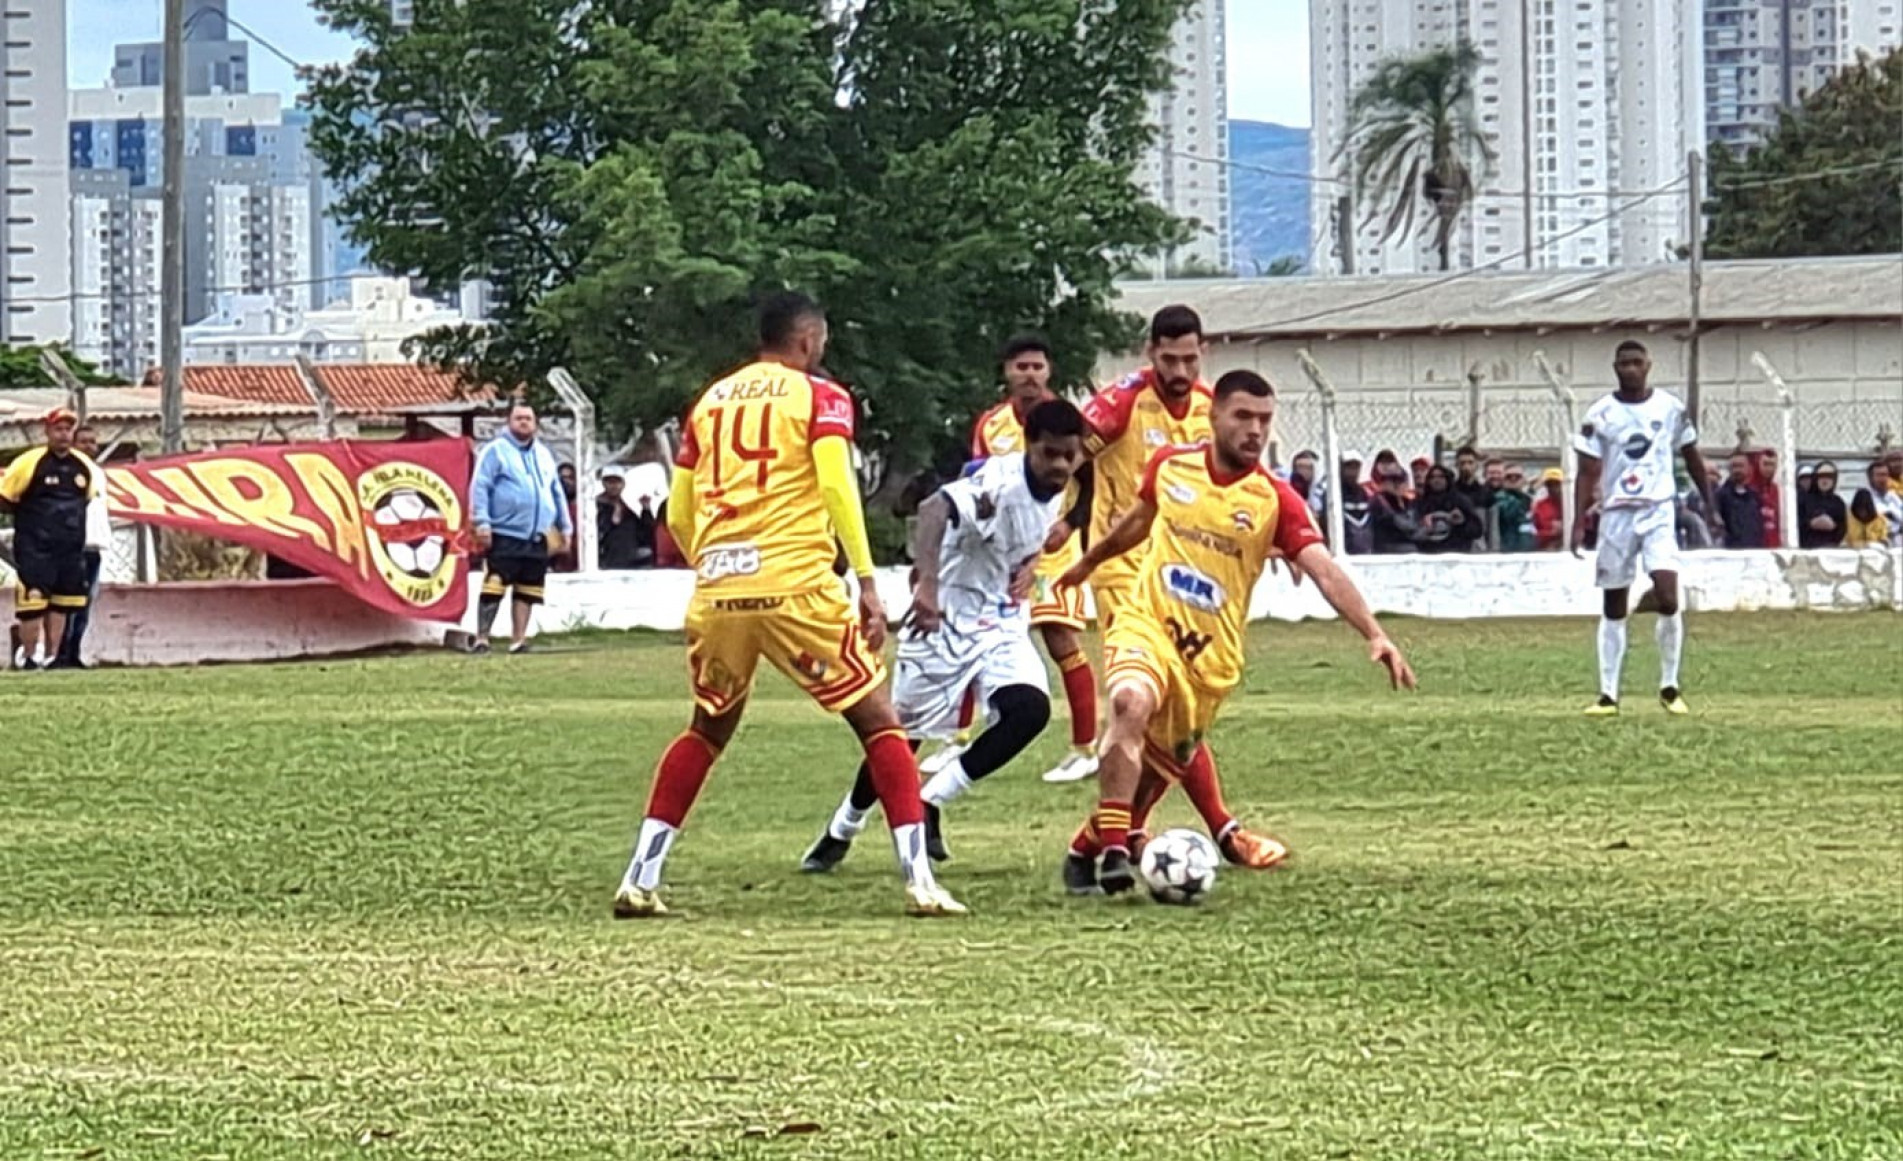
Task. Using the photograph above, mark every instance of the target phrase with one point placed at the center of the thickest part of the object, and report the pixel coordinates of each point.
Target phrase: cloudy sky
(1268, 48)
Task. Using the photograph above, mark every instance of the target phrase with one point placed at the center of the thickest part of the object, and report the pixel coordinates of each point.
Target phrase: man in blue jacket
(521, 517)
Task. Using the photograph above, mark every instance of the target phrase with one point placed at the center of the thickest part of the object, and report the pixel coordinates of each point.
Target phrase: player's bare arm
(926, 615)
(1339, 590)
(1584, 489)
(1132, 529)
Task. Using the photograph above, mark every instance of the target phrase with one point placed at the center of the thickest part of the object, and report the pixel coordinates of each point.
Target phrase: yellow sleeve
(680, 510)
(839, 488)
(19, 475)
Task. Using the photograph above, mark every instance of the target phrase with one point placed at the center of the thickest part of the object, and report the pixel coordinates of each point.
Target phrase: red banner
(387, 521)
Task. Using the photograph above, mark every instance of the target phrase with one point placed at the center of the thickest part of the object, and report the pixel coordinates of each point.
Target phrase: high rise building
(35, 218)
(214, 63)
(1587, 104)
(1186, 170)
(1763, 56)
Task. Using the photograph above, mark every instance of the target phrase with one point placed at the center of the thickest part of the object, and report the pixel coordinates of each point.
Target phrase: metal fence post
(1785, 479)
(1566, 411)
(1331, 451)
(587, 559)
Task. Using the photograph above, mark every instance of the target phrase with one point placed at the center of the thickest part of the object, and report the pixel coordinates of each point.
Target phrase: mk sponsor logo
(729, 560)
(1193, 588)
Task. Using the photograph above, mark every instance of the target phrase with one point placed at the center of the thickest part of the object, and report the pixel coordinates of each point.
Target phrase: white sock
(947, 785)
(1671, 634)
(847, 822)
(1611, 655)
(909, 841)
(650, 854)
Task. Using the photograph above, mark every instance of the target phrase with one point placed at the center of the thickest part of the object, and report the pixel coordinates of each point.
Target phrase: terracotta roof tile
(358, 389)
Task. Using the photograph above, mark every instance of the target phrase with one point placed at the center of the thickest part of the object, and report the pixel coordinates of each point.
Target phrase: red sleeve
(978, 449)
(1294, 524)
(832, 411)
(1108, 412)
(689, 453)
(1146, 491)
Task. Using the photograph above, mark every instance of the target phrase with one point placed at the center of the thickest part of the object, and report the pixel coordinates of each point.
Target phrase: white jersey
(1636, 444)
(997, 526)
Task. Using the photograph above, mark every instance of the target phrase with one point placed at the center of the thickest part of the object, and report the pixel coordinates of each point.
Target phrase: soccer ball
(419, 557)
(1179, 867)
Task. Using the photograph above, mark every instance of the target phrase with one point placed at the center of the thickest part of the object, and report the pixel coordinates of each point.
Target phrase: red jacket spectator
(1763, 481)
(1549, 513)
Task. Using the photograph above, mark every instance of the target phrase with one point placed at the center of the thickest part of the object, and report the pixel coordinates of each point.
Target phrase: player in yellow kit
(763, 490)
(1057, 612)
(1202, 526)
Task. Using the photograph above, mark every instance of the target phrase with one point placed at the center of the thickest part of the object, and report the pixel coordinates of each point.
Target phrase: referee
(47, 490)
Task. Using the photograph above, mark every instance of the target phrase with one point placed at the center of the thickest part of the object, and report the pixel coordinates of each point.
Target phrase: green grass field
(360, 909)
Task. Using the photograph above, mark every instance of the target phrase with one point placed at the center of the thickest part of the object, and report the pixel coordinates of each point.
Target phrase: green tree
(20, 367)
(1414, 144)
(1825, 181)
(629, 174)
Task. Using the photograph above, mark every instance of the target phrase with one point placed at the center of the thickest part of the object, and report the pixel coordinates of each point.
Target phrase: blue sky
(1268, 47)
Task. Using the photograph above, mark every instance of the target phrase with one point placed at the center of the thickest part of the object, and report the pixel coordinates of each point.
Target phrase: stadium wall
(195, 623)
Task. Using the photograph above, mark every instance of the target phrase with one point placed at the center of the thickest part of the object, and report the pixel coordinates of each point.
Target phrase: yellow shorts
(813, 638)
(1054, 605)
(1138, 650)
(1110, 597)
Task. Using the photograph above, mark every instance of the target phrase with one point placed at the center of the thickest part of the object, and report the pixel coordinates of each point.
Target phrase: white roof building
(371, 326)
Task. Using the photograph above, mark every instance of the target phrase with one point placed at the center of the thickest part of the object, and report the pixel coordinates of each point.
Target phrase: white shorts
(934, 672)
(1633, 537)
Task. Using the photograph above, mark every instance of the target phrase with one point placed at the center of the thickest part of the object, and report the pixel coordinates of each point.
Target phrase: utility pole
(1345, 232)
(172, 240)
(1527, 70)
(1696, 210)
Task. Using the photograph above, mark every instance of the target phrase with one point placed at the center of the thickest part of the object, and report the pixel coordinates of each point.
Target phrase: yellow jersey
(762, 529)
(1130, 421)
(1212, 538)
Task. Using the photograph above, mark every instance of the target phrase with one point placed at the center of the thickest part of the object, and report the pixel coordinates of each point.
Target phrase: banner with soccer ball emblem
(387, 521)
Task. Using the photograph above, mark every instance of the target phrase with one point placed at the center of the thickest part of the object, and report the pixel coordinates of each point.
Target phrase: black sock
(1022, 712)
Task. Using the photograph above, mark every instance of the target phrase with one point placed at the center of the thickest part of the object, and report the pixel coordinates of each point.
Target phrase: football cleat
(1074, 768)
(1080, 875)
(1258, 852)
(943, 757)
(1673, 701)
(1116, 873)
(933, 902)
(635, 903)
(935, 848)
(1605, 707)
(825, 854)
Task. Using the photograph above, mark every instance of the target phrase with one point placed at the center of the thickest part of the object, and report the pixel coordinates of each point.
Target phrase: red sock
(1113, 823)
(1088, 842)
(968, 708)
(678, 779)
(1080, 689)
(1205, 792)
(895, 777)
(1150, 791)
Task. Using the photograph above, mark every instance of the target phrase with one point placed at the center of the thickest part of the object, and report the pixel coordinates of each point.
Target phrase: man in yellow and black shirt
(47, 490)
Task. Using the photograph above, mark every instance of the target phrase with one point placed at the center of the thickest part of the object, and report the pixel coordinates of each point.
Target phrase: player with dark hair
(1059, 614)
(968, 631)
(1205, 521)
(763, 484)
(1637, 431)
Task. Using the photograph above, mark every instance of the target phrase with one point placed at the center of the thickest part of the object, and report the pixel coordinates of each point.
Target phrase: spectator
(1805, 474)
(1889, 501)
(1691, 524)
(98, 540)
(1549, 512)
(1512, 507)
(1467, 479)
(1868, 527)
(1893, 463)
(48, 489)
(1820, 510)
(1384, 460)
(1301, 474)
(1418, 472)
(1447, 520)
(627, 536)
(521, 516)
(1389, 513)
(569, 558)
(1357, 522)
(1740, 509)
(1764, 481)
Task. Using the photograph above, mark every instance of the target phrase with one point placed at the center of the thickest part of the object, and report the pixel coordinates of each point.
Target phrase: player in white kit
(967, 629)
(1626, 449)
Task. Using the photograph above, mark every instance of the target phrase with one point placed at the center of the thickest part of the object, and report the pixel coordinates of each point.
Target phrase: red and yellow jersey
(1129, 422)
(762, 529)
(999, 432)
(1212, 538)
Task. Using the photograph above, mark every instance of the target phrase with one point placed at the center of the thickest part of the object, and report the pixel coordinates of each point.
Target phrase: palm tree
(1412, 128)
